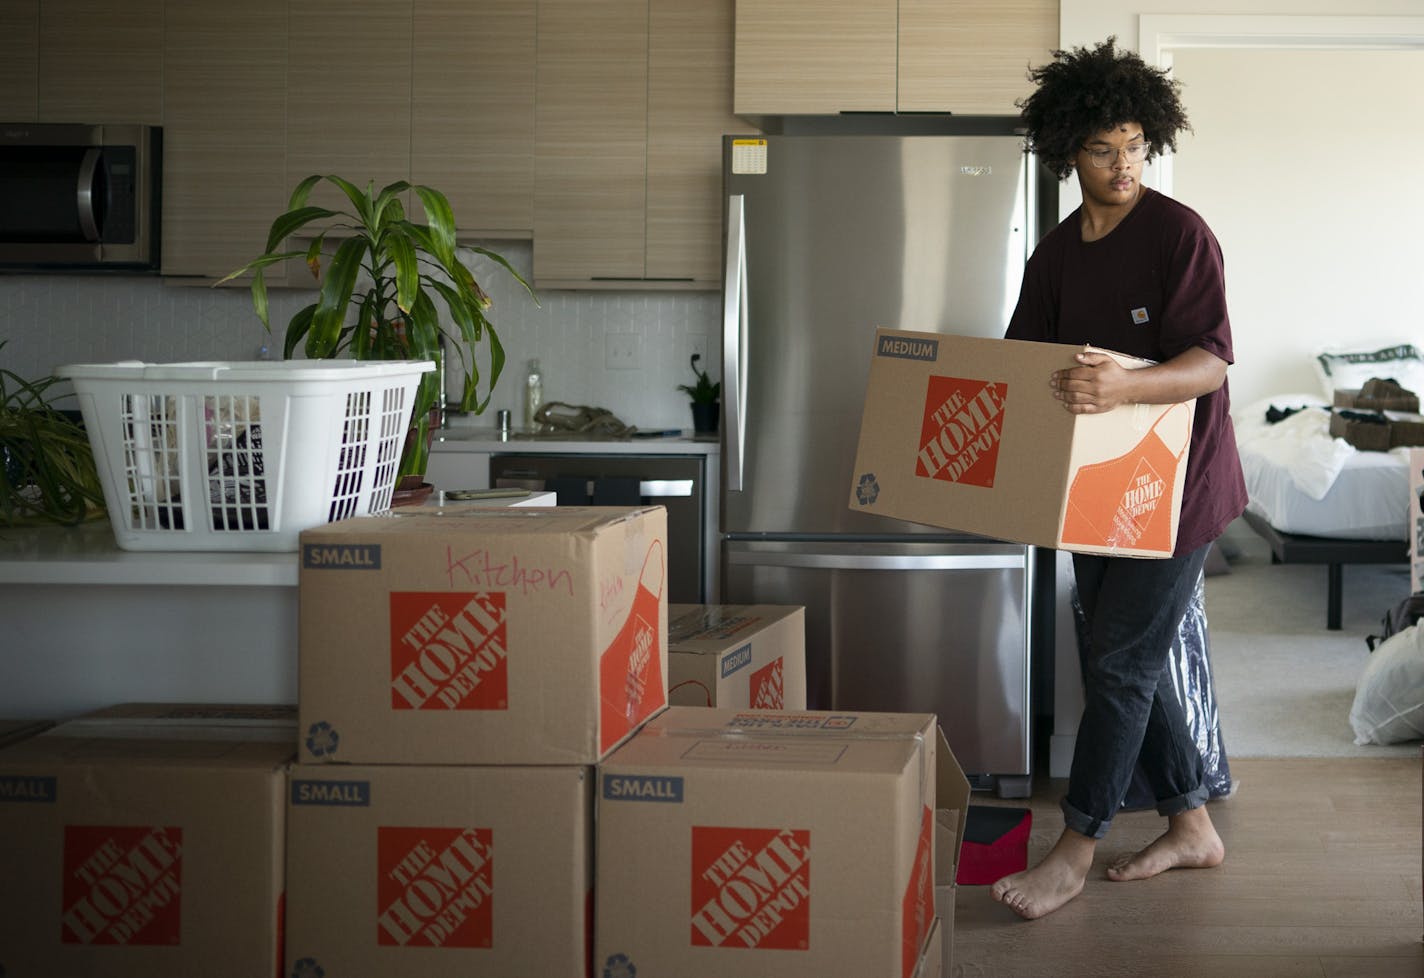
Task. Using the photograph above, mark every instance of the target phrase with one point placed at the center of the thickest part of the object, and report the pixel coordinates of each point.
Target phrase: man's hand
(1098, 384)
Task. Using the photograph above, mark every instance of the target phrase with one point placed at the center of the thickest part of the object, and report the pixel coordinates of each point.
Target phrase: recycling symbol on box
(321, 739)
(868, 489)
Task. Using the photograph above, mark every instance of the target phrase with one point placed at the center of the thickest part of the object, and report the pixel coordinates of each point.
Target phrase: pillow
(1349, 370)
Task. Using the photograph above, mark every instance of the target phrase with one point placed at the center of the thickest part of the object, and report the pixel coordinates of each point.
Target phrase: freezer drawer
(916, 627)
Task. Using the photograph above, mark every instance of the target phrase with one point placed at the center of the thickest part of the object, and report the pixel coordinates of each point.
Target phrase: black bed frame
(1295, 548)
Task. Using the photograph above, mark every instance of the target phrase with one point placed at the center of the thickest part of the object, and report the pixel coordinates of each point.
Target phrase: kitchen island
(87, 624)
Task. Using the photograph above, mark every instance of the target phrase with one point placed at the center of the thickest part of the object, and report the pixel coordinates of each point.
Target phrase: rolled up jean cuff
(1083, 824)
(1195, 798)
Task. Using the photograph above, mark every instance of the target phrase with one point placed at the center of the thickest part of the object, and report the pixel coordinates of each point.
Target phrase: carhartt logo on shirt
(1139, 315)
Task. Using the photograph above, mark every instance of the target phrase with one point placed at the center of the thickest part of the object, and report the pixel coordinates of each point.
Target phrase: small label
(335, 793)
(907, 349)
(640, 787)
(737, 659)
(1139, 316)
(341, 556)
(20, 787)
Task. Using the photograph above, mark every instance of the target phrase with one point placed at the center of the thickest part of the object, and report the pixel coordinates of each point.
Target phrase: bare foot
(1041, 890)
(1190, 842)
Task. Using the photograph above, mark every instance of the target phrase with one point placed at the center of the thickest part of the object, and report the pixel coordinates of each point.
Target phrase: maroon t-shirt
(1153, 287)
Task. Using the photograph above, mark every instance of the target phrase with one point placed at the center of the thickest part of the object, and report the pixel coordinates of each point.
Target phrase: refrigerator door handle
(901, 562)
(734, 340)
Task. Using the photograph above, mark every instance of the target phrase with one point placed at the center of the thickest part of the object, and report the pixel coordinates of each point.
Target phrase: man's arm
(1100, 383)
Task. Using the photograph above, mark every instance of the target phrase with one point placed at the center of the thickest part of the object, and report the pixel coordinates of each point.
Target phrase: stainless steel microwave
(80, 196)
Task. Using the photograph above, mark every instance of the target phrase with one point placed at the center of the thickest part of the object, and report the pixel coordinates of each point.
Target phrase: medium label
(736, 659)
(435, 887)
(449, 651)
(751, 888)
(907, 349)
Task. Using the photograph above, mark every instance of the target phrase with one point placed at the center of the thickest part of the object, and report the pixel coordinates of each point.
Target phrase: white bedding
(1303, 481)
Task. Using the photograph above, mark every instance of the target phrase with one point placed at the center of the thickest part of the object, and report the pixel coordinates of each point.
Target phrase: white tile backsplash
(48, 320)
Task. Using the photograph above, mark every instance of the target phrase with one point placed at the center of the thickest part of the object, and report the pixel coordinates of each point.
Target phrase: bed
(1316, 499)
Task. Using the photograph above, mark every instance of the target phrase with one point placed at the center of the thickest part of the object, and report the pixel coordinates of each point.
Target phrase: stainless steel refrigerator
(828, 237)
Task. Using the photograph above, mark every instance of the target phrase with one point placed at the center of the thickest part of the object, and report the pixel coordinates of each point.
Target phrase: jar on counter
(533, 393)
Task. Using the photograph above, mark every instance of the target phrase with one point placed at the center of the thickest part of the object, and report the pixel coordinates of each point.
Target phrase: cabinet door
(815, 57)
(224, 149)
(348, 93)
(689, 108)
(19, 60)
(101, 61)
(969, 57)
(591, 117)
(472, 111)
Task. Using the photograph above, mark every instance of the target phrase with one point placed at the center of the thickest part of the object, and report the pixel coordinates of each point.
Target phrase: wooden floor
(1322, 879)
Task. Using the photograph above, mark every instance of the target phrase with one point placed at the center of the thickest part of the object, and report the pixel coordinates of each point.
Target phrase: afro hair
(1087, 90)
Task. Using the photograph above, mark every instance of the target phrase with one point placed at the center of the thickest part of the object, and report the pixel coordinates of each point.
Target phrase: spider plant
(48, 472)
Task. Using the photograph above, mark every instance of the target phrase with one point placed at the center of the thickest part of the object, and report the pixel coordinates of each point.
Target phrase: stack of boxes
(146, 841)
(461, 672)
(1377, 417)
(478, 689)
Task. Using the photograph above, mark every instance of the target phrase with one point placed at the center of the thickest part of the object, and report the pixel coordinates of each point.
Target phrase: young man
(1133, 271)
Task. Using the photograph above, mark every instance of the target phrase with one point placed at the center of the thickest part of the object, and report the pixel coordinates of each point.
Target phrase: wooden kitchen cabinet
(590, 168)
(349, 94)
(815, 57)
(472, 111)
(224, 95)
(689, 108)
(809, 57)
(20, 60)
(632, 101)
(100, 61)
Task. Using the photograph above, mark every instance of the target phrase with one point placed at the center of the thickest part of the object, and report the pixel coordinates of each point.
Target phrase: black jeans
(1133, 607)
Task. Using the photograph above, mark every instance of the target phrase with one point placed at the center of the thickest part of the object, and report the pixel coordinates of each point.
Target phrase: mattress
(1301, 480)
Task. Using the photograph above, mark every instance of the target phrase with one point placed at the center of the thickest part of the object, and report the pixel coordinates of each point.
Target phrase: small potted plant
(377, 299)
(706, 397)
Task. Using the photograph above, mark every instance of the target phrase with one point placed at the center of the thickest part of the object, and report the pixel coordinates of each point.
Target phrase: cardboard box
(13, 730)
(949, 825)
(763, 842)
(1416, 520)
(1378, 395)
(1366, 430)
(144, 849)
(738, 656)
(932, 962)
(964, 433)
(475, 872)
(465, 635)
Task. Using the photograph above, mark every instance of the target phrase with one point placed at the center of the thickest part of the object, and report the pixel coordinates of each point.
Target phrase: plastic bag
(1190, 665)
(1389, 697)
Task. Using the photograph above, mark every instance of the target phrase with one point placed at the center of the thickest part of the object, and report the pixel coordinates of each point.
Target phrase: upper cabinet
(19, 60)
(472, 111)
(224, 142)
(632, 98)
(348, 102)
(814, 57)
(100, 61)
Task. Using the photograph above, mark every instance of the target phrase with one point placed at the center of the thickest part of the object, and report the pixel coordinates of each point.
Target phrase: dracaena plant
(383, 289)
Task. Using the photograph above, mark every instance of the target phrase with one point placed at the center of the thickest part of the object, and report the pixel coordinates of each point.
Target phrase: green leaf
(297, 327)
(302, 191)
(402, 254)
(441, 220)
(495, 256)
(293, 221)
(335, 297)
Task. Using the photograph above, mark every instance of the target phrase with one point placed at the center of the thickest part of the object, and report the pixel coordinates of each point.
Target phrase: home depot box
(764, 842)
(13, 730)
(144, 847)
(439, 871)
(737, 656)
(932, 961)
(464, 635)
(964, 433)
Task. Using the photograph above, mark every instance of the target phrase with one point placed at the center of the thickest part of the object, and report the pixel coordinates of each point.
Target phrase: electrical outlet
(621, 351)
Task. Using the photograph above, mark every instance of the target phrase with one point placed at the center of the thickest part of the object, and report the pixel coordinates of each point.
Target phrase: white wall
(1319, 252)
(48, 320)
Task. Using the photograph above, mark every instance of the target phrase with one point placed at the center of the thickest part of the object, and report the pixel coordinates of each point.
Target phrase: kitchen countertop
(88, 555)
(459, 437)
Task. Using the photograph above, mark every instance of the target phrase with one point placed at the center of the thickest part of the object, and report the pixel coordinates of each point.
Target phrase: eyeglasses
(1135, 153)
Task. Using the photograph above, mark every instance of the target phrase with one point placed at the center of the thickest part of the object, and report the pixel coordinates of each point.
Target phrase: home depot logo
(917, 907)
(767, 691)
(449, 651)
(122, 885)
(959, 436)
(1139, 502)
(435, 887)
(751, 888)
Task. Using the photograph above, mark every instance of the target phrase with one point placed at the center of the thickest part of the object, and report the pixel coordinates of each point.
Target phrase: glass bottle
(533, 393)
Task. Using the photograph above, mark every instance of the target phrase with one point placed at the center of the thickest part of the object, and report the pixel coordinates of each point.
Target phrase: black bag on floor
(1398, 618)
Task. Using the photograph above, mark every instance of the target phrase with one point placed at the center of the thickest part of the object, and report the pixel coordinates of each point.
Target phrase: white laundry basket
(243, 455)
